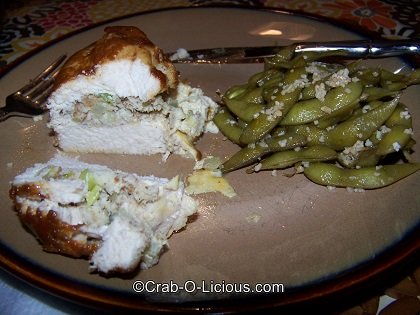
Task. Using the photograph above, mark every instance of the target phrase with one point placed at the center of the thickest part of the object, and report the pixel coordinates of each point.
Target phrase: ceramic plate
(281, 230)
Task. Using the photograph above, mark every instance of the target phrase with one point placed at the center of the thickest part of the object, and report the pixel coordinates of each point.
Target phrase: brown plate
(309, 241)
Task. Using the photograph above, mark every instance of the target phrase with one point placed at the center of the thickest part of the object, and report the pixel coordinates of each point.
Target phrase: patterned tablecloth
(28, 25)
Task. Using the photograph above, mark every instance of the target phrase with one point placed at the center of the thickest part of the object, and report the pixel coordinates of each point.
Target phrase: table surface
(28, 25)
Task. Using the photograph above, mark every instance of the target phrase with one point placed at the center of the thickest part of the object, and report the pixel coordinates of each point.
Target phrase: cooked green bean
(236, 91)
(228, 125)
(245, 111)
(376, 93)
(369, 76)
(252, 153)
(268, 118)
(313, 134)
(393, 141)
(310, 110)
(303, 110)
(367, 156)
(280, 104)
(338, 116)
(360, 127)
(288, 158)
(364, 178)
(283, 56)
(400, 116)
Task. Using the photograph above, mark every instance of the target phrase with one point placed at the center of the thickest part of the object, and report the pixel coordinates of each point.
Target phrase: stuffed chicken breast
(122, 95)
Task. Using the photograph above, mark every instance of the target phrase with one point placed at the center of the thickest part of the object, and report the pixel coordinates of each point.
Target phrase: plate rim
(349, 282)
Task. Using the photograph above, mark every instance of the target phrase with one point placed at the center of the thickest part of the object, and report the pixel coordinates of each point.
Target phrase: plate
(288, 236)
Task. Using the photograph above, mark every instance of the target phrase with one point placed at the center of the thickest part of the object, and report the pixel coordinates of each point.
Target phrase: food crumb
(257, 167)
(356, 190)
(37, 118)
(253, 218)
(205, 181)
(181, 53)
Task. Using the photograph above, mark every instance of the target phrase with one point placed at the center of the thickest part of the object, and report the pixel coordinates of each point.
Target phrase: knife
(350, 49)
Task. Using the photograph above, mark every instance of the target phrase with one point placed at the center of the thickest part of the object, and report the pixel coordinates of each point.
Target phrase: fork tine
(42, 97)
(35, 81)
(40, 88)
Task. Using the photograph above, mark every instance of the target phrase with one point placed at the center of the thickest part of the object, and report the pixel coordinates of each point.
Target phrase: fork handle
(3, 115)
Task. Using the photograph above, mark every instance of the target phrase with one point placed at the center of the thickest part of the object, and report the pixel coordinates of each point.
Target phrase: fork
(29, 100)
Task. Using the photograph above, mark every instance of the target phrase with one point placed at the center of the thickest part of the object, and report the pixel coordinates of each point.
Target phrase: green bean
(414, 77)
(302, 59)
(314, 109)
(391, 76)
(252, 153)
(394, 86)
(354, 67)
(236, 91)
(286, 159)
(253, 96)
(268, 118)
(289, 64)
(338, 116)
(279, 119)
(369, 106)
(244, 157)
(369, 76)
(400, 116)
(365, 157)
(263, 77)
(284, 54)
(286, 142)
(363, 178)
(245, 111)
(393, 141)
(376, 93)
(313, 134)
(228, 125)
(360, 127)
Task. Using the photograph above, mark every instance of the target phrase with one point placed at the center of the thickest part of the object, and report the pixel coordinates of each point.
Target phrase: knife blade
(349, 48)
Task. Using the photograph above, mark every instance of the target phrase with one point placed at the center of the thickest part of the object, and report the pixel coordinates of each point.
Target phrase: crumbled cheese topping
(366, 108)
(357, 147)
(320, 91)
(257, 167)
(263, 144)
(181, 53)
(368, 143)
(408, 131)
(326, 109)
(339, 78)
(283, 143)
(382, 130)
(405, 114)
(315, 68)
(297, 84)
(396, 146)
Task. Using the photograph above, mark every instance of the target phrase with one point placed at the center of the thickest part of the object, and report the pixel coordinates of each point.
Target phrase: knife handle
(366, 48)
